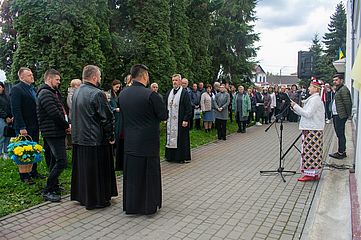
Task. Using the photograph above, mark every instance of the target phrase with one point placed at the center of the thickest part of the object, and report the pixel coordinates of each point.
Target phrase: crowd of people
(124, 124)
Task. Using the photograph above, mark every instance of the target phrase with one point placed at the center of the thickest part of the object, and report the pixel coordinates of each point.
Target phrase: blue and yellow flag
(340, 54)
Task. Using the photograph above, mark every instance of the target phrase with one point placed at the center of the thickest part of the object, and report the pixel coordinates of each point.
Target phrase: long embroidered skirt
(312, 152)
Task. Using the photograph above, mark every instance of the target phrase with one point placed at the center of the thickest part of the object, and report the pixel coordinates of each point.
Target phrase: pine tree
(151, 34)
(199, 40)
(322, 69)
(336, 37)
(7, 37)
(233, 40)
(62, 35)
(179, 36)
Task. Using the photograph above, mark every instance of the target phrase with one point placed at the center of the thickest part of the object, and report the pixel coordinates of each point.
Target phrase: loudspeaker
(305, 64)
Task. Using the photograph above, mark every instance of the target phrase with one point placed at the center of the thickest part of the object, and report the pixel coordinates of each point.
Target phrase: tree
(233, 39)
(336, 37)
(322, 68)
(62, 35)
(179, 36)
(199, 40)
(7, 37)
(149, 21)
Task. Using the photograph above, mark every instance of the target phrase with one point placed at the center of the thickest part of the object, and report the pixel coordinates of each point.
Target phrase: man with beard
(179, 114)
(341, 111)
(142, 110)
(93, 178)
(53, 124)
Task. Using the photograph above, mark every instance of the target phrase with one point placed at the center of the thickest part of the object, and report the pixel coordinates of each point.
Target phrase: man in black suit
(142, 111)
(23, 105)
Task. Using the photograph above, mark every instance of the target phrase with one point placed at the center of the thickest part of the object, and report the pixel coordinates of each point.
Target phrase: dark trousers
(250, 117)
(328, 111)
(339, 125)
(259, 112)
(230, 114)
(221, 126)
(241, 124)
(271, 114)
(265, 118)
(47, 154)
(57, 162)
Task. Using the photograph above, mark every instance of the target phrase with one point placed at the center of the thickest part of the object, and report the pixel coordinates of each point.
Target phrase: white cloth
(273, 100)
(334, 111)
(172, 122)
(312, 114)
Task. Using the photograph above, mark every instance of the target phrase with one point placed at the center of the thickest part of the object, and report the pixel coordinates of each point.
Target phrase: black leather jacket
(92, 118)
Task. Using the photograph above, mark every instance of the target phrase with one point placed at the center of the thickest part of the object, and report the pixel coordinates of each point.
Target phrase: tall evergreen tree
(336, 37)
(199, 39)
(233, 40)
(7, 37)
(62, 35)
(322, 69)
(179, 36)
(150, 23)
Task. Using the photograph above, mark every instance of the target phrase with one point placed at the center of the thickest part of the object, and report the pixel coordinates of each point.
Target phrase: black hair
(339, 75)
(138, 70)
(51, 72)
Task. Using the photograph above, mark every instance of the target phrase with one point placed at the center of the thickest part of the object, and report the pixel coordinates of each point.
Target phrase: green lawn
(16, 196)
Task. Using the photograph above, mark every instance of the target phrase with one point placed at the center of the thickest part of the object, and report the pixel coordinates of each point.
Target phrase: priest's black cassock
(93, 180)
(182, 152)
(142, 112)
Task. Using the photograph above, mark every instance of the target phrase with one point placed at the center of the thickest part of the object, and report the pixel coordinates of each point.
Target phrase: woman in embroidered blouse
(311, 124)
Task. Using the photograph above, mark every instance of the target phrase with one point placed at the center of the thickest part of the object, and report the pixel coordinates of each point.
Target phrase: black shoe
(224, 139)
(243, 131)
(38, 176)
(187, 161)
(59, 190)
(106, 204)
(51, 197)
(338, 155)
(28, 181)
(239, 130)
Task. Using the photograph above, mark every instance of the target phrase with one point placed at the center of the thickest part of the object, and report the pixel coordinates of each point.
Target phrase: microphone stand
(280, 169)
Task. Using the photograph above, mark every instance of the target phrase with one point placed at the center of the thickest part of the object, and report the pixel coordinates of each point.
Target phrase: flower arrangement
(24, 152)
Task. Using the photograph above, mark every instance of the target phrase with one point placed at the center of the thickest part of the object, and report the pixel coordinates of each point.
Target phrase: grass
(16, 196)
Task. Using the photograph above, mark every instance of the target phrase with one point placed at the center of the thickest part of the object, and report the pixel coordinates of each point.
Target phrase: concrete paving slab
(219, 195)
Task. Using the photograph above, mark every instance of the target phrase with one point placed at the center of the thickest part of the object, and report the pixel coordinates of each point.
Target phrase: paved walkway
(219, 195)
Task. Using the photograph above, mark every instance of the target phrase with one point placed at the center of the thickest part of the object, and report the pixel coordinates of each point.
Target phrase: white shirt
(312, 114)
(334, 111)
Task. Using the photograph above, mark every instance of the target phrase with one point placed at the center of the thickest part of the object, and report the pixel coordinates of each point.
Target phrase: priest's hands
(184, 124)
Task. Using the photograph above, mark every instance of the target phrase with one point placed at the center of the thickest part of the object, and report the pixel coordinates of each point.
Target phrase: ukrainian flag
(340, 54)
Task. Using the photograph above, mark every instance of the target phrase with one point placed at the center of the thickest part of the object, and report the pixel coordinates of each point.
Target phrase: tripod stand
(280, 169)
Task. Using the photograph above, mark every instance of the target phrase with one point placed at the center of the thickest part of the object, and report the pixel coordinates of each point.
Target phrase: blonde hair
(75, 82)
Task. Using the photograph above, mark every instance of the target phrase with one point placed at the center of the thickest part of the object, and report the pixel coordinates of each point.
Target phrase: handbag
(197, 113)
(9, 131)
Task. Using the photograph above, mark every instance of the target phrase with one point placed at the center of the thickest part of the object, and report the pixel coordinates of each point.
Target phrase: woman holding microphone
(311, 124)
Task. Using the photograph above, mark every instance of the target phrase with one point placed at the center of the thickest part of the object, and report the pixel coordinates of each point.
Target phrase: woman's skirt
(311, 152)
(208, 116)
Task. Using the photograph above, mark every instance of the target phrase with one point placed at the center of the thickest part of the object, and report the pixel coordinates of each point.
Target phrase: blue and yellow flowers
(24, 151)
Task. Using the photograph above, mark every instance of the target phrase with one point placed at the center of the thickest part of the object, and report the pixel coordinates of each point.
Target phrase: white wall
(352, 45)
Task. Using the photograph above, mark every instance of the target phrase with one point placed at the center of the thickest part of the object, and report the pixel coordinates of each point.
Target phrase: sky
(288, 26)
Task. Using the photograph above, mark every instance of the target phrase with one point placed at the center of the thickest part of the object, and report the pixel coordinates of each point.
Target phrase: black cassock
(142, 112)
(93, 180)
(182, 152)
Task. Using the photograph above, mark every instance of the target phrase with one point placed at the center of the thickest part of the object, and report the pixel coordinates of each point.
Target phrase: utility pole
(281, 73)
